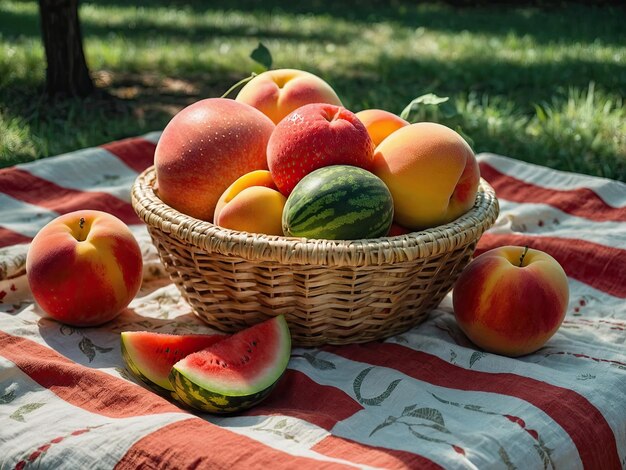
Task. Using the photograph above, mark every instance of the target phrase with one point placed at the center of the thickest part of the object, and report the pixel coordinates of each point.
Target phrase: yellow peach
(254, 178)
(255, 209)
(432, 174)
(380, 123)
(276, 93)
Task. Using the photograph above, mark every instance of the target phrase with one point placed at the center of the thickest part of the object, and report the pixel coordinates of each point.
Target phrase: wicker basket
(331, 292)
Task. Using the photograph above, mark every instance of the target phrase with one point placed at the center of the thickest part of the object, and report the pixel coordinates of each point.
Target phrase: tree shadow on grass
(544, 25)
(596, 24)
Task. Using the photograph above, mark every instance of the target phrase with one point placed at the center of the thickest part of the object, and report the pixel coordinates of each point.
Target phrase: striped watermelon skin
(199, 398)
(338, 202)
(236, 373)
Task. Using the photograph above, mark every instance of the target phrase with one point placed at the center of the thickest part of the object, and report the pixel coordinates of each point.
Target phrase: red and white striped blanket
(424, 399)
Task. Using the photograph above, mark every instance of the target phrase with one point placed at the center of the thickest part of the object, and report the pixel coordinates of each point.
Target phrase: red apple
(314, 136)
(510, 300)
(84, 267)
(206, 147)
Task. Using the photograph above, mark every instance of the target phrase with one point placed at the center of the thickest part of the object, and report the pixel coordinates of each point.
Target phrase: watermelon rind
(338, 202)
(212, 389)
(141, 350)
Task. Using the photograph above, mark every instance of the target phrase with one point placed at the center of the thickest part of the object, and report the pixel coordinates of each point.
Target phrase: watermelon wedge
(237, 372)
(150, 356)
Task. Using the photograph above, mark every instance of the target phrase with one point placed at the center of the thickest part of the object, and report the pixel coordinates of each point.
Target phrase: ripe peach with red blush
(314, 136)
(204, 148)
(511, 300)
(432, 174)
(84, 267)
(276, 93)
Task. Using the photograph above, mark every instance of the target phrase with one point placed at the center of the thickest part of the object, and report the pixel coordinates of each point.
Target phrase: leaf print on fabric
(435, 421)
(320, 364)
(374, 401)
(545, 453)
(8, 397)
(18, 415)
(477, 356)
(88, 348)
(506, 460)
(280, 428)
(430, 414)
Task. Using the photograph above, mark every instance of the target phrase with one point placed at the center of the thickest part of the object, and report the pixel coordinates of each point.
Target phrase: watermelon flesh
(236, 373)
(150, 356)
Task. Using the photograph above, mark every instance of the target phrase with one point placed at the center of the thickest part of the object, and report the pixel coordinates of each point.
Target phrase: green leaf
(18, 415)
(262, 55)
(431, 414)
(429, 99)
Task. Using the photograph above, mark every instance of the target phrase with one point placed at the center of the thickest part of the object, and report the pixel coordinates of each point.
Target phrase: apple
(204, 148)
(511, 300)
(314, 136)
(276, 93)
(432, 174)
(380, 123)
(84, 267)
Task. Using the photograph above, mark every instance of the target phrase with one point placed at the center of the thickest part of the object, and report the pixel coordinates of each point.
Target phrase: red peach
(84, 267)
(276, 93)
(511, 301)
(204, 148)
(314, 136)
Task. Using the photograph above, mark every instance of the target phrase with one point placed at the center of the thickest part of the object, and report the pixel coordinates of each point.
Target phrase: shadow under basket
(331, 292)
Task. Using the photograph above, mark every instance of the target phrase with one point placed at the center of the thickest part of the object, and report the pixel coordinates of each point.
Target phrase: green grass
(542, 85)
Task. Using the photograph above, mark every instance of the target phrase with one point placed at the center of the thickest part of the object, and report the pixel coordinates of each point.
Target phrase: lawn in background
(544, 85)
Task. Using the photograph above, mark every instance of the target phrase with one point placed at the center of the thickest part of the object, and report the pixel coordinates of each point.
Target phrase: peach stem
(238, 84)
(521, 258)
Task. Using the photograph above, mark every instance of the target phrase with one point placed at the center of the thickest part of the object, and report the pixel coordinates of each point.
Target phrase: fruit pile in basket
(286, 158)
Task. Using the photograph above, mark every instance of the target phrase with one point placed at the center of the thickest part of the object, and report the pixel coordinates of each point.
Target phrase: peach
(511, 300)
(276, 93)
(204, 148)
(84, 267)
(432, 174)
(314, 136)
(380, 123)
(251, 204)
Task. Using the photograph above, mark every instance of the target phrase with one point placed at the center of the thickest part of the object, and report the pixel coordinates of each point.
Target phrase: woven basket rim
(291, 250)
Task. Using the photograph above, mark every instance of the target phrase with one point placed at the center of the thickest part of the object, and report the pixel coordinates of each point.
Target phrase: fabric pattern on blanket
(426, 398)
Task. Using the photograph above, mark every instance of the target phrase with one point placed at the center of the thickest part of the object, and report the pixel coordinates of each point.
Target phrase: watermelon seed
(167, 350)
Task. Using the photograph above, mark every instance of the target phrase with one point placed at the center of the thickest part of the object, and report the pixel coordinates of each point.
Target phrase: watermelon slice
(236, 373)
(150, 356)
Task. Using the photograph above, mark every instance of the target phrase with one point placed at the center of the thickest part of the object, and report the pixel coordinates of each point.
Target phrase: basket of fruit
(351, 226)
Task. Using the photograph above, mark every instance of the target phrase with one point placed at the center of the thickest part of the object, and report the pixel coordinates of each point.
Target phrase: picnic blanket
(426, 398)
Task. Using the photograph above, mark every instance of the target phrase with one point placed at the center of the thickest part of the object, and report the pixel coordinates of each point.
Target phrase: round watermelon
(338, 202)
(237, 372)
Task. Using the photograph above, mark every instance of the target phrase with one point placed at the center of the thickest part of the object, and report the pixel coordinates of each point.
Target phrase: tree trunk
(67, 72)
